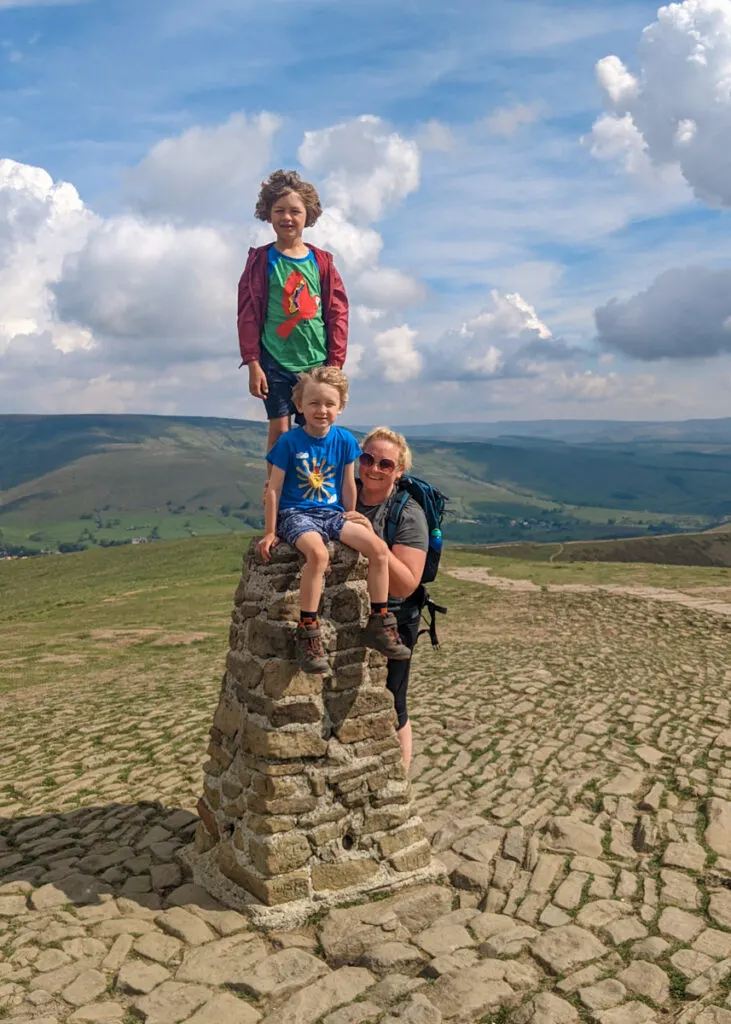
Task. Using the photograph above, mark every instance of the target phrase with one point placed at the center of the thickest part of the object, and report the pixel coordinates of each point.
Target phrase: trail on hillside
(480, 574)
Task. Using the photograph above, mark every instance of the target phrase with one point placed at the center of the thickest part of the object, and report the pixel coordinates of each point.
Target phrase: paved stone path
(572, 769)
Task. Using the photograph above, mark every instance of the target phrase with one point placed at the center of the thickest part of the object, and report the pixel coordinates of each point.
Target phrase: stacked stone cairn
(305, 801)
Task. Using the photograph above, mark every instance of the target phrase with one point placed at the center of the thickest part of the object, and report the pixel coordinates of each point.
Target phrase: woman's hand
(265, 545)
(258, 386)
(359, 519)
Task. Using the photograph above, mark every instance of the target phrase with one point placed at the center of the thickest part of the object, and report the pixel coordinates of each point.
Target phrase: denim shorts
(280, 382)
(293, 522)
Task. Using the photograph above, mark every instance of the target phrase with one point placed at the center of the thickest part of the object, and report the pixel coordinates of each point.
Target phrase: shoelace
(314, 646)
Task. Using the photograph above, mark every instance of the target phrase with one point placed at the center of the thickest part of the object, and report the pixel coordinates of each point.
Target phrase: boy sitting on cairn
(312, 487)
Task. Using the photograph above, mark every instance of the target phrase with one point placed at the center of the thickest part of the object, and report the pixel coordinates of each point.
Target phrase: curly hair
(281, 183)
(386, 434)
(333, 376)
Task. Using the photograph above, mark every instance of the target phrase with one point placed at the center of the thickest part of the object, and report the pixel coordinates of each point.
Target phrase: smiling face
(289, 217)
(320, 407)
(378, 481)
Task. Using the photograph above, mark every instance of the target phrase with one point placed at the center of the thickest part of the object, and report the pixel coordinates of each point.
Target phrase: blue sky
(500, 99)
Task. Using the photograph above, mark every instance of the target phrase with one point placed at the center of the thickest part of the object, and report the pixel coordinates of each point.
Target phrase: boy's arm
(249, 307)
(271, 507)
(336, 320)
(350, 492)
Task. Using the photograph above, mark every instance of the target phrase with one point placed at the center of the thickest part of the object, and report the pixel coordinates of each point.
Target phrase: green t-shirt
(294, 330)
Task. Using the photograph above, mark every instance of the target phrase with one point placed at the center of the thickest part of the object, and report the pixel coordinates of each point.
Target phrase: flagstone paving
(572, 769)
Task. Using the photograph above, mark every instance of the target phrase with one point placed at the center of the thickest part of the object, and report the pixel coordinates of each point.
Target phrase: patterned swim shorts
(293, 522)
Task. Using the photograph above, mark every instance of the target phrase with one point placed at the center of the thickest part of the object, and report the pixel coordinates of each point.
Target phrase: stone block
(278, 854)
(270, 639)
(347, 605)
(284, 679)
(343, 874)
(281, 744)
(413, 857)
(244, 670)
(406, 836)
(365, 700)
(270, 891)
(270, 824)
(367, 727)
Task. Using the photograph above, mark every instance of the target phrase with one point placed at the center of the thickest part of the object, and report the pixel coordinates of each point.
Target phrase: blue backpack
(433, 504)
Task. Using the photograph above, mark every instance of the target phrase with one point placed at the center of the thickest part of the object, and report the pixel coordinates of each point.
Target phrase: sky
(528, 201)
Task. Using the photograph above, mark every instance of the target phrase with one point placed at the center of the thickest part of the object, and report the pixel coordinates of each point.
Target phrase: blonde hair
(333, 376)
(386, 434)
(281, 183)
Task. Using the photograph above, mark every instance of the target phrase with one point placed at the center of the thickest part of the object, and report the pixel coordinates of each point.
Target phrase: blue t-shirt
(313, 467)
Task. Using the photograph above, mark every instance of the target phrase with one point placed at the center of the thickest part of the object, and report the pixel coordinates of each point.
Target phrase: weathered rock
(225, 962)
(282, 973)
(314, 1001)
(564, 949)
(472, 992)
(546, 1009)
(136, 977)
(172, 1002)
(225, 1008)
(572, 835)
(718, 832)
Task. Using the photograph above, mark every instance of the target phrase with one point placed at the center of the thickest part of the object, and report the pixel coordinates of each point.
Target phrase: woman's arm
(405, 569)
(349, 490)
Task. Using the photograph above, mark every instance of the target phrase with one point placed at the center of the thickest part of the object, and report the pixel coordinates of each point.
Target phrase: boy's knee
(318, 556)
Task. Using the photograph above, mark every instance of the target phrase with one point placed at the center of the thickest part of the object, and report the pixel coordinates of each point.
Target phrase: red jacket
(254, 291)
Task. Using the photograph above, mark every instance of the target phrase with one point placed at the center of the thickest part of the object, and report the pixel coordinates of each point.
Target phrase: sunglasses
(385, 465)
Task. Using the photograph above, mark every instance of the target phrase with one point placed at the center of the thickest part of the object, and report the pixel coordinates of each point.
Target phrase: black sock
(379, 607)
(310, 617)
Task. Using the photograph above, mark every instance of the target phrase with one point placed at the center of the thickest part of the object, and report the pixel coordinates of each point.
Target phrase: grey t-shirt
(411, 531)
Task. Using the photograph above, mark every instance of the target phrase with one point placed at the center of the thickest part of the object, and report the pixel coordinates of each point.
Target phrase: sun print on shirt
(316, 480)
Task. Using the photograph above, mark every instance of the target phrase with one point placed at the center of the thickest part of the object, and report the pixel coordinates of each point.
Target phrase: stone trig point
(305, 804)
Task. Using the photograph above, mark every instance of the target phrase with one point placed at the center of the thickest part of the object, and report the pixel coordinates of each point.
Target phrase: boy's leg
(277, 426)
(381, 633)
(375, 550)
(313, 548)
(310, 652)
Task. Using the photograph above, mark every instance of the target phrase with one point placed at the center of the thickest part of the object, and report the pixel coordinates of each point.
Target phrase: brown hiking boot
(382, 635)
(310, 652)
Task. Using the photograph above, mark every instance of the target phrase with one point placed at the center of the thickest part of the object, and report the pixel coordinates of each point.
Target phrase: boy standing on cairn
(292, 308)
(311, 488)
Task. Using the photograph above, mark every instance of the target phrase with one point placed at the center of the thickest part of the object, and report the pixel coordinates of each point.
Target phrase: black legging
(397, 680)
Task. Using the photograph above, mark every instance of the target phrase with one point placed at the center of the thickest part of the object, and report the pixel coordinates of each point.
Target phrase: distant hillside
(702, 549)
(582, 431)
(77, 480)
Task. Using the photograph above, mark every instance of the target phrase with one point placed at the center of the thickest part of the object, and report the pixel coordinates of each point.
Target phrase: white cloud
(396, 354)
(40, 223)
(207, 172)
(684, 314)
(503, 340)
(354, 247)
(436, 137)
(367, 168)
(388, 288)
(677, 110)
(149, 291)
(506, 121)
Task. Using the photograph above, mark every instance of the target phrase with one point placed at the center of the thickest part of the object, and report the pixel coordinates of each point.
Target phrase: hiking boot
(381, 634)
(310, 652)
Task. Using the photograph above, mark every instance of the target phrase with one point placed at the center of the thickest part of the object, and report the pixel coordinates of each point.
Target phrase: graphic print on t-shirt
(298, 303)
(316, 479)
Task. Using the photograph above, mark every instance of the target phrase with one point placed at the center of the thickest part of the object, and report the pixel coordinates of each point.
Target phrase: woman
(385, 458)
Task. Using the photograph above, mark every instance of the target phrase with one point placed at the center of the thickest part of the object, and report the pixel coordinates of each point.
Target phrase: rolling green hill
(97, 479)
(701, 549)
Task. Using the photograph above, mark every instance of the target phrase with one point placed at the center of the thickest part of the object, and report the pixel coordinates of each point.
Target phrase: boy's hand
(258, 386)
(265, 545)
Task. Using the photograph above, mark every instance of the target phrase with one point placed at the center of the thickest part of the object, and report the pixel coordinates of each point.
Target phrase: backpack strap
(432, 609)
(395, 509)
